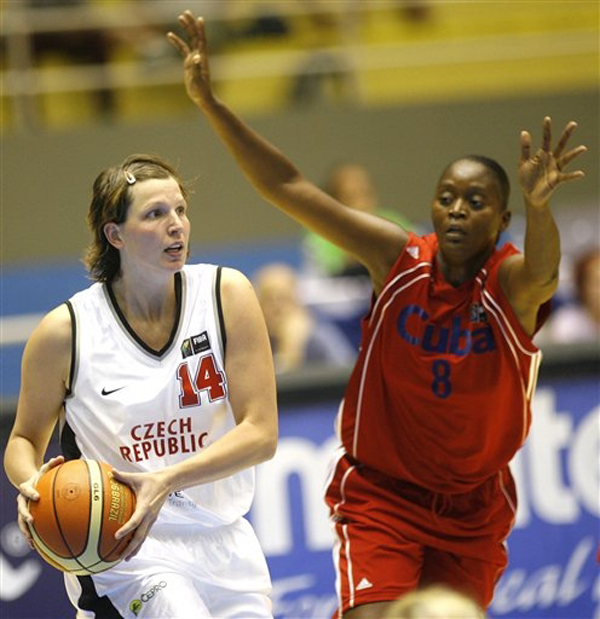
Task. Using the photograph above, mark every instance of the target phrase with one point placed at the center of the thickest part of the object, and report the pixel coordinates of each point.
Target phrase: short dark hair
(110, 202)
(496, 169)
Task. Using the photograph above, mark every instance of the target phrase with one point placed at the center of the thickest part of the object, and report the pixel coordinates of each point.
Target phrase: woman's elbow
(549, 287)
(266, 443)
(269, 446)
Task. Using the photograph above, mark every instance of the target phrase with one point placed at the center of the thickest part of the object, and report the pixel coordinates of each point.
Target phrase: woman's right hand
(195, 58)
(28, 492)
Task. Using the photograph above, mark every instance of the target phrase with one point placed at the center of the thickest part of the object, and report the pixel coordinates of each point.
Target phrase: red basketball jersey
(440, 394)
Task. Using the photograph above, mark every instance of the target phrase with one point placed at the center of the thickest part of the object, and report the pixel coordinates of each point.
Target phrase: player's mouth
(455, 233)
(175, 249)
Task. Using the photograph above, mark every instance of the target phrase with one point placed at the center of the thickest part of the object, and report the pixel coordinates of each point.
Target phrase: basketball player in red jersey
(439, 400)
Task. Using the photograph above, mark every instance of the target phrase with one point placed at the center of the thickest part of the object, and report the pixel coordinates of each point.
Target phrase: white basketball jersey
(141, 410)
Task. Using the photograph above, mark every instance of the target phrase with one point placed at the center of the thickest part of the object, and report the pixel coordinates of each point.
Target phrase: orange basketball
(80, 508)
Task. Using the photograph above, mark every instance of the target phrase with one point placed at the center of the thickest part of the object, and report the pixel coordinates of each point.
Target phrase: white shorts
(181, 573)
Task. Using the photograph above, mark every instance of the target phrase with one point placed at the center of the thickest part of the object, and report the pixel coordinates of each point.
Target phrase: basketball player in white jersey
(164, 371)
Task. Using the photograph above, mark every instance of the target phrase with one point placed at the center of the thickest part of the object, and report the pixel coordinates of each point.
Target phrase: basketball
(80, 508)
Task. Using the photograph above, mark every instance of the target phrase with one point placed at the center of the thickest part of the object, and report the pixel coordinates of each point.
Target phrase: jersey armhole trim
(219, 304)
(73, 363)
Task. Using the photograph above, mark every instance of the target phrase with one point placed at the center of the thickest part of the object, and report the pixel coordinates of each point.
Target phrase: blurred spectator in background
(416, 11)
(352, 184)
(324, 73)
(435, 602)
(578, 320)
(298, 337)
(81, 46)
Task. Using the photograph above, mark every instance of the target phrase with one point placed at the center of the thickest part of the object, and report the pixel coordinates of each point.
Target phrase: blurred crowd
(313, 313)
(576, 314)
(100, 36)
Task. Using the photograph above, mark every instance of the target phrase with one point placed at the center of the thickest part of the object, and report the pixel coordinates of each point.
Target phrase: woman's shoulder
(203, 269)
(54, 331)
(58, 318)
(420, 248)
(225, 273)
(94, 290)
(234, 281)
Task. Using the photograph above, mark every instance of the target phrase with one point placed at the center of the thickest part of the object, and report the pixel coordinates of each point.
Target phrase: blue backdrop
(553, 571)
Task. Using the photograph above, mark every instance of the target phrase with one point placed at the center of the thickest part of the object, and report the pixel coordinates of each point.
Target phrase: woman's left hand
(540, 174)
(151, 491)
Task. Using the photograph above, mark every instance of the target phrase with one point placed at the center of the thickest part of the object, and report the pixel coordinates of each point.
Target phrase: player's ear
(506, 217)
(112, 232)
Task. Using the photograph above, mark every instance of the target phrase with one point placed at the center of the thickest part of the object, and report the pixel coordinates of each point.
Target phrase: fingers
(24, 519)
(570, 155)
(28, 492)
(571, 176)
(28, 487)
(525, 145)
(129, 526)
(137, 518)
(562, 160)
(546, 134)
(24, 528)
(136, 542)
(180, 45)
(121, 476)
(564, 138)
(23, 509)
(188, 23)
(202, 46)
(51, 464)
(141, 528)
(194, 30)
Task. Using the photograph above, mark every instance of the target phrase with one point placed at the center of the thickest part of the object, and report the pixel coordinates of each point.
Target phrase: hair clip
(130, 177)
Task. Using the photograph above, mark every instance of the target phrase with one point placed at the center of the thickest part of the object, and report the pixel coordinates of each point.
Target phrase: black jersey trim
(134, 335)
(90, 600)
(68, 444)
(73, 363)
(220, 316)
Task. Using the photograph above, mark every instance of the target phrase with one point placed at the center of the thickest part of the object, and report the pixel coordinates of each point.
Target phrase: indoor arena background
(402, 88)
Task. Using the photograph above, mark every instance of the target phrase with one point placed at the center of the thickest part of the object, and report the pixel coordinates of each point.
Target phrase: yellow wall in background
(454, 51)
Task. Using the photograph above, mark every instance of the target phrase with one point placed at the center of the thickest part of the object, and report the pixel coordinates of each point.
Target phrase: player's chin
(175, 262)
(455, 248)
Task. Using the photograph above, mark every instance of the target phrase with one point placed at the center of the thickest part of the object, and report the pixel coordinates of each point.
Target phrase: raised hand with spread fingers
(540, 174)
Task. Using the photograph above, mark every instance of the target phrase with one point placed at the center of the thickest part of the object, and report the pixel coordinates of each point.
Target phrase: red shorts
(393, 536)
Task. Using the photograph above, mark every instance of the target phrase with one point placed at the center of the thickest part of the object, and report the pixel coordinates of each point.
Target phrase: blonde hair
(434, 602)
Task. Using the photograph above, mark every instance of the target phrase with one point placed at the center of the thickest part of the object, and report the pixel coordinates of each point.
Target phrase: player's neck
(140, 301)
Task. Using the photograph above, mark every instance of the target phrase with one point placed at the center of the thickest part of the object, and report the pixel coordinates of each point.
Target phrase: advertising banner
(553, 564)
(553, 550)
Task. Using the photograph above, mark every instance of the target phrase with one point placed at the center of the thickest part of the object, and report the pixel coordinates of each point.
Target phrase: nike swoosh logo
(108, 392)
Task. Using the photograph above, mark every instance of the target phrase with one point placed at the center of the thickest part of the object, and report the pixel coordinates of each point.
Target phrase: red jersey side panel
(441, 389)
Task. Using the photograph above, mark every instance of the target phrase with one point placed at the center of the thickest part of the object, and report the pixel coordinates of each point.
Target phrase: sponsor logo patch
(135, 606)
(195, 345)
